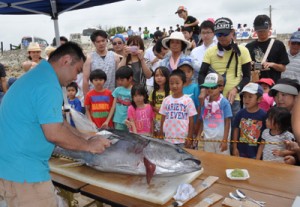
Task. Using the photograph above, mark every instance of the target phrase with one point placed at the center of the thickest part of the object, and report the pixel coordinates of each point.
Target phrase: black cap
(223, 25)
(262, 22)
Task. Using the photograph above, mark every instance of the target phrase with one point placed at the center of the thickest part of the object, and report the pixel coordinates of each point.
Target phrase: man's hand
(231, 95)
(97, 144)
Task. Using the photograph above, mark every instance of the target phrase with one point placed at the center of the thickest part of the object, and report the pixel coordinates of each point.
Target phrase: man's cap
(295, 37)
(34, 47)
(268, 81)
(211, 80)
(253, 88)
(284, 88)
(223, 25)
(262, 22)
(181, 8)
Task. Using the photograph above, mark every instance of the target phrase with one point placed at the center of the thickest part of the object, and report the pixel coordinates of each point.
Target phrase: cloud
(150, 13)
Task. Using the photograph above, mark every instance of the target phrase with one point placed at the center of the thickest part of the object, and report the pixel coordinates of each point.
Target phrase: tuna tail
(150, 169)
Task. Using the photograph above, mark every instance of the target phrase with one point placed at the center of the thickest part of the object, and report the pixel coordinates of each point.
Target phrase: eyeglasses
(221, 34)
(119, 43)
(295, 43)
(206, 33)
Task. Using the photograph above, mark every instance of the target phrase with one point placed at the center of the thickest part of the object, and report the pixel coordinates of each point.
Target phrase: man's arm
(246, 71)
(62, 135)
(86, 75)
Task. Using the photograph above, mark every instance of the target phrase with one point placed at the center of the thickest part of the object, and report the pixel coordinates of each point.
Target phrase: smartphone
(133, 48)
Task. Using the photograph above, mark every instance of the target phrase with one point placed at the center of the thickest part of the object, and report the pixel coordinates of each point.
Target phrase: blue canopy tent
(52, 8)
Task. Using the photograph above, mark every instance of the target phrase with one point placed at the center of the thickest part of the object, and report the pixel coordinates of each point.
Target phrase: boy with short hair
(215, 115)
(122, 98)
(249, 122)
(189, 88)
(98, 101)
(74, 102)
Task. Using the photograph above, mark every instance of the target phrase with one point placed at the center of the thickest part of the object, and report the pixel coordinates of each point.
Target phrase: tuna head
(168, 160)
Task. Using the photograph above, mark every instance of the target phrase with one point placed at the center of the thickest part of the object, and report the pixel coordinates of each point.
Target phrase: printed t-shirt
(160, 95)
(123, 96)
(142, 118)
(251, 126)
(100, 104)
(177, 112)
(213, 121)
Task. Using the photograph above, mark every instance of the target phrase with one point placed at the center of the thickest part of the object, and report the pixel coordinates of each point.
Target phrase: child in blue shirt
(191, 89)
(75, 103)
(249, 123)
(215, 116)
(122, 98)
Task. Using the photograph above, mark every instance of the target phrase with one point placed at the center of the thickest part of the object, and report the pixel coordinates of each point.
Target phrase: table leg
(69, 196)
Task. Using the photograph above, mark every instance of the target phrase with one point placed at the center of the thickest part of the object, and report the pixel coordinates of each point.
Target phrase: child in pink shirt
(267, 101)
(140, 113)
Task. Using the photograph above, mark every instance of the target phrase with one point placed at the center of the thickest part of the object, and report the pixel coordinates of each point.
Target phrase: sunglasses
(221, 34)
(295, 43)
(117, 43)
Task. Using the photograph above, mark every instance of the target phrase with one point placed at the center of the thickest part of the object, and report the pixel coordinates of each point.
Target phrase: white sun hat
(176, 36)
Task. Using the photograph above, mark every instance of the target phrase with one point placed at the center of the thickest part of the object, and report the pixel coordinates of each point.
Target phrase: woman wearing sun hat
(177, 44)
(285, 92)
(34, 56)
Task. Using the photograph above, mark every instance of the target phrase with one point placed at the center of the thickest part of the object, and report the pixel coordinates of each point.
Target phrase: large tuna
(137, 155)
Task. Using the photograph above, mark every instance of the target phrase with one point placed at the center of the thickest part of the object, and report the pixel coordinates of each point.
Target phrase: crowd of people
(194, 87)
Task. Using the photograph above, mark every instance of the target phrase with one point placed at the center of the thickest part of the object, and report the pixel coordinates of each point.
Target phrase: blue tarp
(48, 7)
(52, 8)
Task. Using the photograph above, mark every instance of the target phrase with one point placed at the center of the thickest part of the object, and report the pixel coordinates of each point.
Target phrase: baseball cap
(185, 61)
(181, 8)
(262, 22)
(211, 80)
(253, 88)
(267, 81)
(223, 25)
(295, 37)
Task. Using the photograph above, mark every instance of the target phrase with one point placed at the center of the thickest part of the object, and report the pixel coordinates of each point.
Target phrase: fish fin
(150, 169)
(73, 164)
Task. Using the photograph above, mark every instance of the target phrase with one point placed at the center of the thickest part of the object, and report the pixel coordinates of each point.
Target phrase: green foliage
(115, 30)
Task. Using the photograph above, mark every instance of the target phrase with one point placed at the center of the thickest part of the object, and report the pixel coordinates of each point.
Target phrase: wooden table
(275, 183)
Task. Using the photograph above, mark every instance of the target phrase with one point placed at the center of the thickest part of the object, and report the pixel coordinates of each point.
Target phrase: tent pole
(56, 29)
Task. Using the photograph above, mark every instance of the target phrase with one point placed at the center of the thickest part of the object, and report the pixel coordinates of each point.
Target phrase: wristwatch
(238, 88)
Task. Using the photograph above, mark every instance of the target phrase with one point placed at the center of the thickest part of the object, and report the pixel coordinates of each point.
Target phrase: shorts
(28, 194)
(215, 148)
(120, 126)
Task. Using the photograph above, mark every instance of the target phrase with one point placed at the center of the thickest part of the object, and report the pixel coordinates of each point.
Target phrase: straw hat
(49, 50)
(33, 47)
(176, 36)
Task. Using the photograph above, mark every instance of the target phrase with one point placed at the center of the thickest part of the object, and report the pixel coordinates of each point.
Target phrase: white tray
(246, 174)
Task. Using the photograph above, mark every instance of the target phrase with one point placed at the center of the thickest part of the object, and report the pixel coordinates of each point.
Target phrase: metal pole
(2, 48)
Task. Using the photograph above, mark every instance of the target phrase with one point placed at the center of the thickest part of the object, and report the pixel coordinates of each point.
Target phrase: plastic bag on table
(82, 123)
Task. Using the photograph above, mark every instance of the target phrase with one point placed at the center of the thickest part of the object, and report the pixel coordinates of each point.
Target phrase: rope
(225, 141)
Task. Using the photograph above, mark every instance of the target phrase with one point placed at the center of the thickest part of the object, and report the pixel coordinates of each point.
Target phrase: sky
(150, 13)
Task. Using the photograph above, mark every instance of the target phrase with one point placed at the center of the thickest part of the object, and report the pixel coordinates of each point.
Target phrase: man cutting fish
(31, 124)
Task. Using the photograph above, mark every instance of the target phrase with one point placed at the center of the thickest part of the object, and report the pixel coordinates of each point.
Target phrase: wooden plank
(67, 183)
(266, 177)
(117, 199)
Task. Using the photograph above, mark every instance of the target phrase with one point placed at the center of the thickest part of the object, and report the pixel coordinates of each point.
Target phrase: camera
(258, 66)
